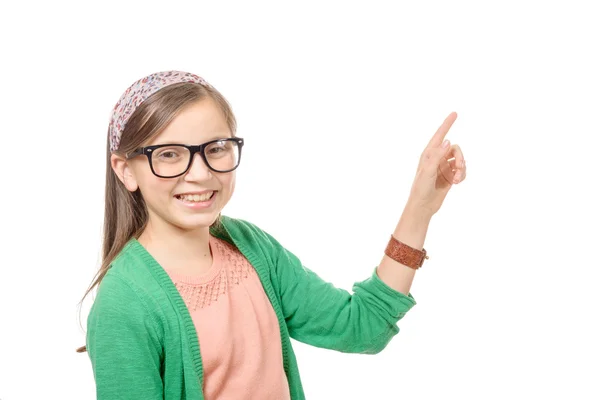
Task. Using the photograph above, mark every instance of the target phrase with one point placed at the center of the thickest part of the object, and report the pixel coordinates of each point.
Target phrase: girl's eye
(168, 154)
(215, 149)
(218, 148)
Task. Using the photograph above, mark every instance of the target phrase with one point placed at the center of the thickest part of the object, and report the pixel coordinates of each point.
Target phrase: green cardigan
(143, 344)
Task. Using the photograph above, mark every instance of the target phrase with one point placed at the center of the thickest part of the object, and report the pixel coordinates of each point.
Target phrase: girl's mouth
(196, 198)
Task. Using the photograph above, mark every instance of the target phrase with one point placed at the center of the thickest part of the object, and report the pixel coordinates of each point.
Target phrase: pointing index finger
(439, 136)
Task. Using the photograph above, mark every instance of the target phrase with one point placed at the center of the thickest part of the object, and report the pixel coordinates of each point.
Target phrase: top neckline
(204, 277)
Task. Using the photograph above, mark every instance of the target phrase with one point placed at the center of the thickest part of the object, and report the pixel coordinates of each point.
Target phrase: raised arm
(320, 314)
(440, 167)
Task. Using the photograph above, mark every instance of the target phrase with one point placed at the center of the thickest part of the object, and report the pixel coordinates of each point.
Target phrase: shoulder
(138, 270)
(241, 230)
(120, 320)
(117, 289)
(114, 288)
(121, 304)
(128, 286)
(255, 243)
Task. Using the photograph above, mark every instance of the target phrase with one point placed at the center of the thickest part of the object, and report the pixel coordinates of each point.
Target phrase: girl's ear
(124, 172)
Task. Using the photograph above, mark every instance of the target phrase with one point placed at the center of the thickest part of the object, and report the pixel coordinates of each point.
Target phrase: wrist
(416, 213)
(412, 227)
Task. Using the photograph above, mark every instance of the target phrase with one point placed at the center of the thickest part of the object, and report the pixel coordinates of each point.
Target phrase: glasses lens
(223, 155)
(170, 161)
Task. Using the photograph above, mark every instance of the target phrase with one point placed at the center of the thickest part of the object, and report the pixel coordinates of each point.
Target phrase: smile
(195, 198)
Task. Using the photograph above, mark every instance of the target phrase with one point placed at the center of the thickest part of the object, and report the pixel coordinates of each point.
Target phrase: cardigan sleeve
(123, 344)
(319, 314)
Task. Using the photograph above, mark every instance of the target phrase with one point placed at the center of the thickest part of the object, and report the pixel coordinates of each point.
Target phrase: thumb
(432, 157)
(443, 150)
(437, 155)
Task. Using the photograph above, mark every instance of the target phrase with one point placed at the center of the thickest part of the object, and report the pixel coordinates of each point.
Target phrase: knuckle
(428, 154)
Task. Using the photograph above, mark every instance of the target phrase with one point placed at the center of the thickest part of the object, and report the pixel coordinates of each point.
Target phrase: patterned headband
(137, 93)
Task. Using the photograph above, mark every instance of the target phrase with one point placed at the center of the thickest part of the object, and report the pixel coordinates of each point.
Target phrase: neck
(175, 248)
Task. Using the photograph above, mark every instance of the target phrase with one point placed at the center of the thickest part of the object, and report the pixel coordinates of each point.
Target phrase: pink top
(237, 328)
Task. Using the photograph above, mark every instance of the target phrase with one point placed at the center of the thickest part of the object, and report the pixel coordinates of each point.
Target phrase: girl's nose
(198, 170)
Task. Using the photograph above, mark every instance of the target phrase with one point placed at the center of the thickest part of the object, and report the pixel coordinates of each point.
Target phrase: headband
(137, 93)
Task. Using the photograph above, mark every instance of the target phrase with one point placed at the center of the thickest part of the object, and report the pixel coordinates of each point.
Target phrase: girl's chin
(194, 222)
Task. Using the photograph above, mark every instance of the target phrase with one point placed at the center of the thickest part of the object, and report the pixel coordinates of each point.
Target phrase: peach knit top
(237, 328)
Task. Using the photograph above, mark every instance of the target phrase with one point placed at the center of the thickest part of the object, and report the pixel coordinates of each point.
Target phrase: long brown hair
(125, 213)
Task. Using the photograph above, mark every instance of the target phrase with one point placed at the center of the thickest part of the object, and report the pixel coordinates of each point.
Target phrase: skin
(177, 237)
(439, 169)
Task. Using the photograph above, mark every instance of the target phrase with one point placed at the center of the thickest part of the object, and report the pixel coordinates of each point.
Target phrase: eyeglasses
(173, 160)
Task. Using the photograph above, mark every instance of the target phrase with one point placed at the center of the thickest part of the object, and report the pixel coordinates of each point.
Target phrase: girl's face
(174, 201)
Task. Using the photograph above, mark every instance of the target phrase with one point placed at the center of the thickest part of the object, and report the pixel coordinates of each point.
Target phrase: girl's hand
(441, 166)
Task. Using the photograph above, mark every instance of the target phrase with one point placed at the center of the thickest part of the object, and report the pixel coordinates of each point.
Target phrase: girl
(192, 304)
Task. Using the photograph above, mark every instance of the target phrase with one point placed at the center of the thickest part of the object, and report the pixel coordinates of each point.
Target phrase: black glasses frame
(193, 149)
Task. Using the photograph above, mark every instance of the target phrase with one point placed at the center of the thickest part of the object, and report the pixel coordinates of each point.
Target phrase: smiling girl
(192, 304)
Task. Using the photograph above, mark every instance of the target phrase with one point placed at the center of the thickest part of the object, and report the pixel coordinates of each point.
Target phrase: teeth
(196, 197)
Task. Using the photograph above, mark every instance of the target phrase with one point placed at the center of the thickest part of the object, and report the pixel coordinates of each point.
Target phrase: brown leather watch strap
(405, 254)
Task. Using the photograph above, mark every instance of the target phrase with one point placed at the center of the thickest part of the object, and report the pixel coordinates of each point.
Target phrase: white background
(336, 101)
